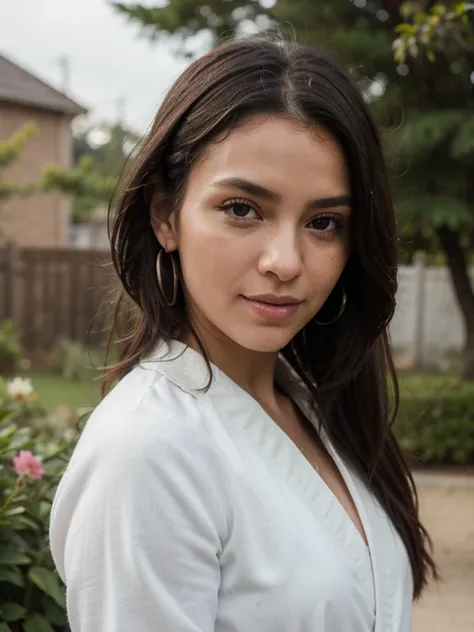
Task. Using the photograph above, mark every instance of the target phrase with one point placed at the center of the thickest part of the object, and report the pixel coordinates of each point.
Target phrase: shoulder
(146, 435)
(144, 414)
(144, 454)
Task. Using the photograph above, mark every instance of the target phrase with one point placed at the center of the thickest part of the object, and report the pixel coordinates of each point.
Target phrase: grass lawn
(54, 390)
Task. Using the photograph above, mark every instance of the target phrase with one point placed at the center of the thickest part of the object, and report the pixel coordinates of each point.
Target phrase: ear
(163, 220)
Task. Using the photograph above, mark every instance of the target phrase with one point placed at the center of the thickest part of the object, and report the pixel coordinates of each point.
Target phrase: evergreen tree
(84, 184)
(424, 98)
(10, 151)
(97, 169)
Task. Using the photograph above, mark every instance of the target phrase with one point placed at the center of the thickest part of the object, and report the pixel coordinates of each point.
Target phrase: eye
(327, 223)
(239, 209)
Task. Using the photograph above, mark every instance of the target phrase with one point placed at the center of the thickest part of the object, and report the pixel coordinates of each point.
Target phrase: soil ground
(447, 510)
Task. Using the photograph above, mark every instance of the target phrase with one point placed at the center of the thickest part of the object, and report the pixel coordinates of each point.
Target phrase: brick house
(40, 219)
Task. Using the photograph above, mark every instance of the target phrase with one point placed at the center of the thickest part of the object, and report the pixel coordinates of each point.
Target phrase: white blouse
(191, 511)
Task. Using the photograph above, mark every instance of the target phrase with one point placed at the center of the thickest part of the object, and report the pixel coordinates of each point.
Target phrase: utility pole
(120, 110)
(65, 65)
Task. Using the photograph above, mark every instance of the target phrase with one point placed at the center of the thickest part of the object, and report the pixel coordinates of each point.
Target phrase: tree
(84, 184)
(10, 151)
(98, 167)
(111, 152)
(442, 27)
(424, 101)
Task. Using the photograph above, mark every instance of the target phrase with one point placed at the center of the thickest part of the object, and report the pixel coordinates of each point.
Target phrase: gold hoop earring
(159, 277)
(339, 314)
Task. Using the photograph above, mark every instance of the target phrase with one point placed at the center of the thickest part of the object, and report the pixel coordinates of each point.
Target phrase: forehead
(278, 152)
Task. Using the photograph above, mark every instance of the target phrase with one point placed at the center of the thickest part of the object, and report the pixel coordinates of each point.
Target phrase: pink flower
(27, 463)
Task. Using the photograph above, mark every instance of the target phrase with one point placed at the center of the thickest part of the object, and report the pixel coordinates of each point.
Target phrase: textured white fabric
(185, 511)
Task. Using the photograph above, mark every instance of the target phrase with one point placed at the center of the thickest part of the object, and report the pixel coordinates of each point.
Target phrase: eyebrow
(266, 194)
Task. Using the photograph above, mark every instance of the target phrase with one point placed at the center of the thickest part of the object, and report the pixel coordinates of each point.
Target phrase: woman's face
(263, 231)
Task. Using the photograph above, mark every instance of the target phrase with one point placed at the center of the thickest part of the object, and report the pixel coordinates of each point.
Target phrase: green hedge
(435, 423)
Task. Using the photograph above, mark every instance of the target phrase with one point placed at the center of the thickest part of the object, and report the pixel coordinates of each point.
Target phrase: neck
(253, 371)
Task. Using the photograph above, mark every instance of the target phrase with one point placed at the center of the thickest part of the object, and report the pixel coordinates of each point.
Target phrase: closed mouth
(270, 299)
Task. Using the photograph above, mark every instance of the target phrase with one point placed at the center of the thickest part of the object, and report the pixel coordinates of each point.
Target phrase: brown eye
(322, 223)
(327, 223)
(239, 209)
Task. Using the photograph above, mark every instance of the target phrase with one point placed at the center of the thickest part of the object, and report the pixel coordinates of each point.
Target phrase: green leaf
(460, 9)
(409, 29)
(49, 583)
(5, 628)
(37, 623)
(9, 555)
(14, 511)
(54, 613)
(439, 10)
(6, 434)
(23, 522)
(6, 414)
(12, 576)
(463, 143)
(12, 611)
(20, 543)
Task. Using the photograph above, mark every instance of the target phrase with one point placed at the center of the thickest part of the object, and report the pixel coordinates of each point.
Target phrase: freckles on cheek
(326, 269)
(206, 258)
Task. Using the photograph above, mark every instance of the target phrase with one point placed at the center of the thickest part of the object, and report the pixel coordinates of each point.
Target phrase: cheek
(210, 258)
(326, 266)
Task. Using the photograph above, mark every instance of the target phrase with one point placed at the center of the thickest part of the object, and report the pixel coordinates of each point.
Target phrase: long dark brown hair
(347, 366)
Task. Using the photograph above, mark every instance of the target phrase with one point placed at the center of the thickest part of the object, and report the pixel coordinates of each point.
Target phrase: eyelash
(229, 204)
(226, 208)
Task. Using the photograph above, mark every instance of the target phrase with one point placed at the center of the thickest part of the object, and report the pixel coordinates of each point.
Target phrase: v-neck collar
(188, 370)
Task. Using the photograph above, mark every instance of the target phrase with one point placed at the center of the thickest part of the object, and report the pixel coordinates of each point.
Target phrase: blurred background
(79, 85)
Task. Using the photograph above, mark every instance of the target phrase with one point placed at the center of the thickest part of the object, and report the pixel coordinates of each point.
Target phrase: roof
(19, 86)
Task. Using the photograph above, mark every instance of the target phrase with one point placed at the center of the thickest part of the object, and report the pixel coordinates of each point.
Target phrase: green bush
(32, 460)
(10, 347)
(73, 361)
(435, 423)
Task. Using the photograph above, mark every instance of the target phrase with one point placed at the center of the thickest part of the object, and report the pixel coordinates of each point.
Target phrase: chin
(266, 341)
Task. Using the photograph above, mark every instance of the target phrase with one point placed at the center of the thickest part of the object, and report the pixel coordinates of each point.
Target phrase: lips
(274, 299)
(272, 307)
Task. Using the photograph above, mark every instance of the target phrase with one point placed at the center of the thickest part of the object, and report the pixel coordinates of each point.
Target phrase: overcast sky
(109, 62)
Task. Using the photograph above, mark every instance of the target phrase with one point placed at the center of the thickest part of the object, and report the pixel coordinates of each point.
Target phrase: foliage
(443, 25)
(92, 182)
(436, 419)
(72, 360)
(10, 150)
(10, 347)
(88, 188)
(110, 155)
(32, 597)
(184, 18)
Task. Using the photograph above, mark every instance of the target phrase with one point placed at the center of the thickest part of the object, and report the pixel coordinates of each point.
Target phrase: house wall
(42, 219)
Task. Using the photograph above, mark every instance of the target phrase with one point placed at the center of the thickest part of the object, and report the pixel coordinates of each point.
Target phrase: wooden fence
(56, 293)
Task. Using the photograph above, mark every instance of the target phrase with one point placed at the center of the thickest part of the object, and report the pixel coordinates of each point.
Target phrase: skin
(294, 242)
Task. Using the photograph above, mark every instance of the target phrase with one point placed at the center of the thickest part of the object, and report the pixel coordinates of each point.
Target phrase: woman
(242, 475)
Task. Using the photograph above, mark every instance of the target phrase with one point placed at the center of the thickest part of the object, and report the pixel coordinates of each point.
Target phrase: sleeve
(134, 535)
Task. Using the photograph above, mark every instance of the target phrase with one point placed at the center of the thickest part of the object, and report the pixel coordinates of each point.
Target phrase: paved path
(447, 508)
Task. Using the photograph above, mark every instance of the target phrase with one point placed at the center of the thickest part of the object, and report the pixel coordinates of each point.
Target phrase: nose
(281, 256)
